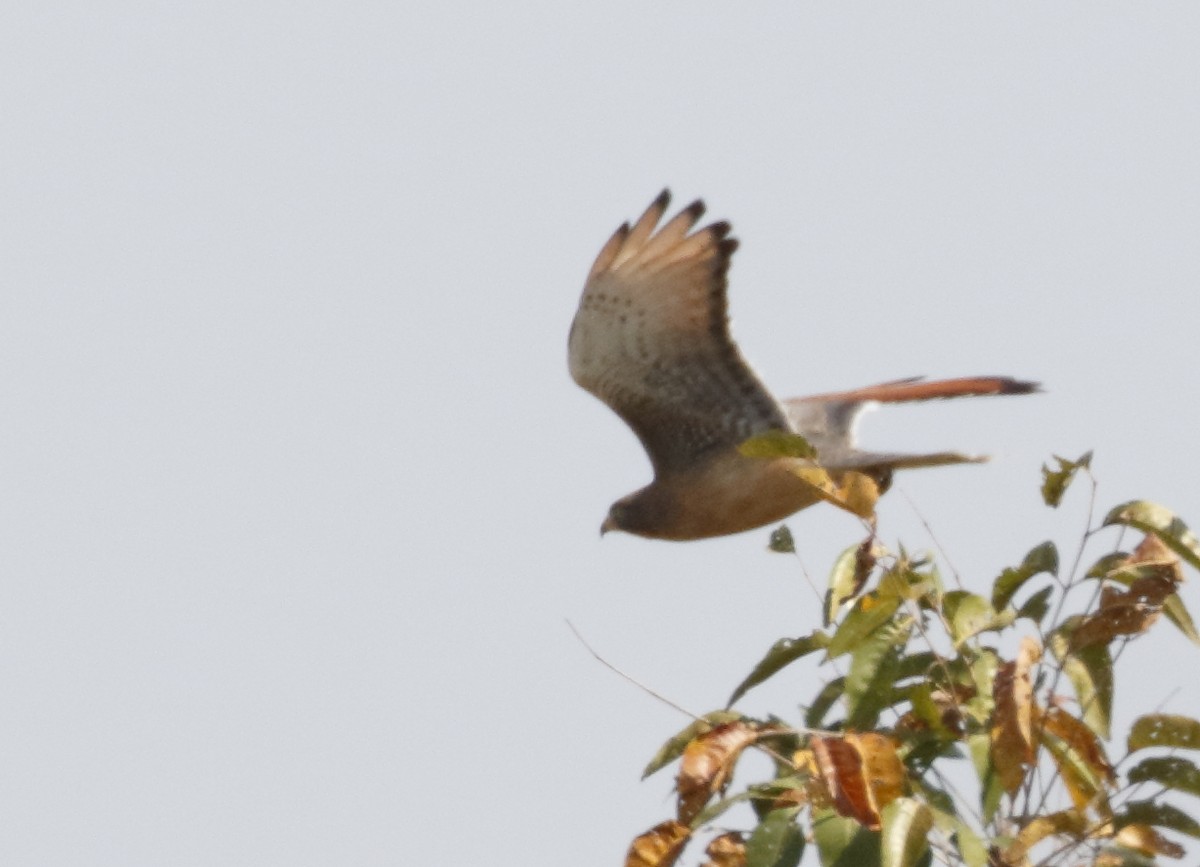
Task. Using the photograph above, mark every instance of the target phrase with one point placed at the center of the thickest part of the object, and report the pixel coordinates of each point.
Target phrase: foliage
(1019, 683)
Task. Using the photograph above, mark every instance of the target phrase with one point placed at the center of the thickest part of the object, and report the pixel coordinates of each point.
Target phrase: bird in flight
(651, 339)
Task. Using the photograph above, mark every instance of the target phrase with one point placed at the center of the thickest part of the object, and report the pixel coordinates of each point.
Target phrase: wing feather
(643, 228)
(609, 252)
(651, 339)
(670, 237)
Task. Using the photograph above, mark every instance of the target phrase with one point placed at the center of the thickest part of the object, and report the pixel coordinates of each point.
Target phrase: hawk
(651, 339)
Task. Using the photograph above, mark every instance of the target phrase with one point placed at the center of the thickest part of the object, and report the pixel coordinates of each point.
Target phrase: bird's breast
(733, 493)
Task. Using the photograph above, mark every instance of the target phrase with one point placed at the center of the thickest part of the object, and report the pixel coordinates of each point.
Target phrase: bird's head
(615, 519)
(641, 513)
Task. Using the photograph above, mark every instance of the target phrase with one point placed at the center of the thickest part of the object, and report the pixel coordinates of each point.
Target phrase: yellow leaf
(661, 846)
(881, 767)
(855, 492)
(1144, 839)
(1068, 822)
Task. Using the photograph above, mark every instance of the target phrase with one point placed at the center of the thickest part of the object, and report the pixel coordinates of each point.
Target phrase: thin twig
(1068, 584)
(932, 537)
(697, 718)
(808, 577)
(631, 678)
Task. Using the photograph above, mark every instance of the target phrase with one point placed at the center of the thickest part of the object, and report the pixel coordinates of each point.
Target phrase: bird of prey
(651, 340)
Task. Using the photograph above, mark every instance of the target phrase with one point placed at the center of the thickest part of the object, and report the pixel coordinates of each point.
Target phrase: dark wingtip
(720, 229)
(1018, 386)
(663, 199)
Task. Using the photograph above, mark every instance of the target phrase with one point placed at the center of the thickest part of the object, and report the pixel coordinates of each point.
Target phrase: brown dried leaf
(661, 846)
(1086, 783)
(849, 576)
(1121, 613)
(1012, 720)
(1144, 839)
(790, 798)
(1153, 552)
(998, 857)
(1150, 551)
(708, 763)
(727, 850)
(841, 767)
(949, 705)
(1079, 736)
(1133, 611)
(865, 558)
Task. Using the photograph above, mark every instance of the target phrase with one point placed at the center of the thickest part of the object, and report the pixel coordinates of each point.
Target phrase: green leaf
(778, 444)
(781, 541)
(1071, 764)
(970, 847)
(1109, 566)
(1164, 730)
(715, 809)
(920, 696)
(991, 789)
(782, 784)
(814, 717)
(1173, 772)
(970, 614)
(873, 669)
(937, 800)
(1159, 815)
(1176, 612)
(1090, 670)
(906, 581)
(767, 793)
(906, 826)
(1162, 522)
(870, 612)
(1056, 482)
(1120, 856)
(842, 842)
(777, 841)
(918, 664)
(845, 581)
(1036, 606)
(674, 747)
(983, 677)
(783, 652)
(1043, 558)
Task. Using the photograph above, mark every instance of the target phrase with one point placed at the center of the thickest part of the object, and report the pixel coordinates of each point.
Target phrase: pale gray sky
(296, 491)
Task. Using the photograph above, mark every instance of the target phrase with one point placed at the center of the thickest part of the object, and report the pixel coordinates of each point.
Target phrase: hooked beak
(609, 524)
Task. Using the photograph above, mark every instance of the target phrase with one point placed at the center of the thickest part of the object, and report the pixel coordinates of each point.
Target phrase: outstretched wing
(828, 421)
(651, 339)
